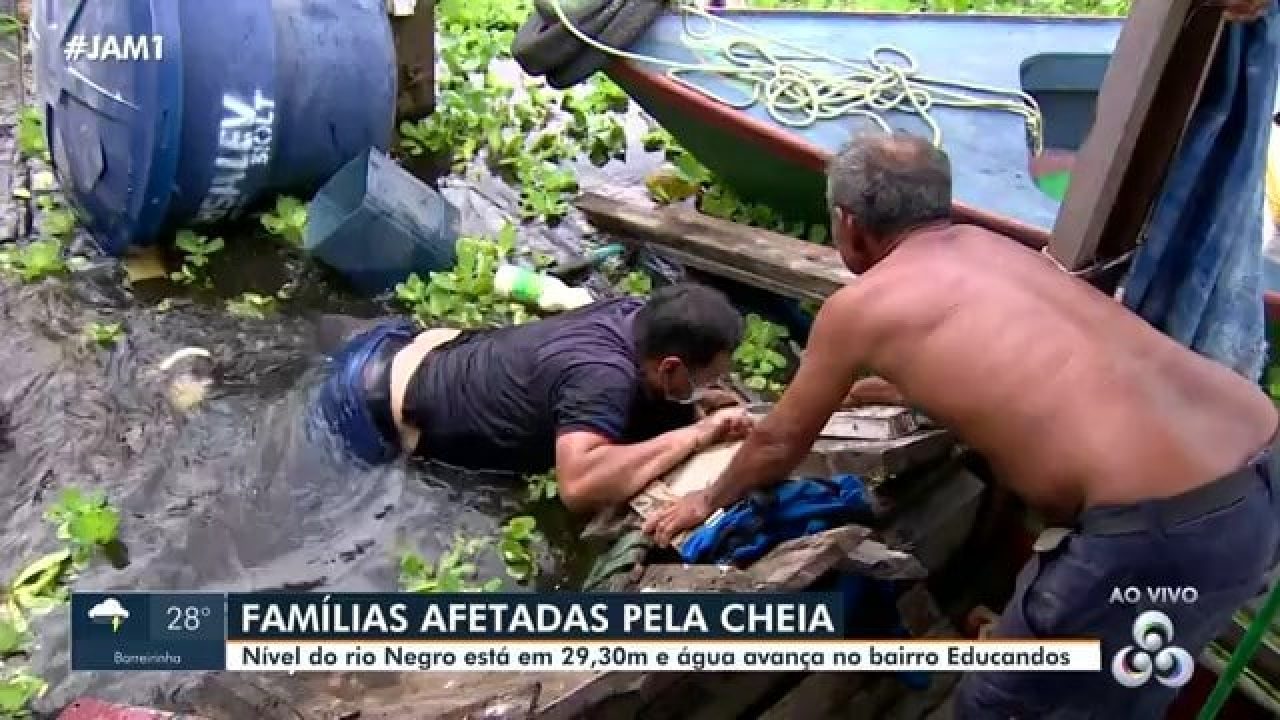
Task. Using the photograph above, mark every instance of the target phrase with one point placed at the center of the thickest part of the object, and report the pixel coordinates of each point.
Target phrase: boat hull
(785, 167)
(1059, 60)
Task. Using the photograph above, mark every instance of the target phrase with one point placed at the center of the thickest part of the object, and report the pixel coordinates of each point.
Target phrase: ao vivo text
(1154, 595)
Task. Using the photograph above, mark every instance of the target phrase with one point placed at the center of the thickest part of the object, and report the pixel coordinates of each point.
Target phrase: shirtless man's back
(1154, 459)
(1075, 401)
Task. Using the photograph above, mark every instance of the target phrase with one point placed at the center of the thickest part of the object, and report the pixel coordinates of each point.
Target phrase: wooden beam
(415, 43)
(1146, 101)
(777, 263)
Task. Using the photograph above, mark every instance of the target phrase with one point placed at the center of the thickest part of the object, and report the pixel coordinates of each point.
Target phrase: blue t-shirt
(497, 399)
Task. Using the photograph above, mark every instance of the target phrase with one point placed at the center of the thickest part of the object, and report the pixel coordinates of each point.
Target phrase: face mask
(695, 395)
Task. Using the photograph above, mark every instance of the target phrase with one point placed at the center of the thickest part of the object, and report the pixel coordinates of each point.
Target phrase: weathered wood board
(413, 31)
(793, 565)
(875, 422)
(760, 258)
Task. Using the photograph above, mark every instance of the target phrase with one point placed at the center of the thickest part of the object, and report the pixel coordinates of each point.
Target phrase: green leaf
(11, 639)
(98, 526)
(32, 575)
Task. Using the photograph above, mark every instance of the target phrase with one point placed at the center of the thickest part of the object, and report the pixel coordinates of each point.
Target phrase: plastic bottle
(549, 294)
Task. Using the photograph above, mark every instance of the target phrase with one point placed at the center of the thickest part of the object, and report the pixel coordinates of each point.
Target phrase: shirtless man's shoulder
(1072, 397)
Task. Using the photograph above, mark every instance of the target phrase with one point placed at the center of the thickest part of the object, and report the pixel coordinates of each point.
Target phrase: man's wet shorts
(353, 404)
(1220, 539)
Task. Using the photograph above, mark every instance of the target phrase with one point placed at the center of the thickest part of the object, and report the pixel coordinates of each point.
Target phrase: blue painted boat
(1059, 62)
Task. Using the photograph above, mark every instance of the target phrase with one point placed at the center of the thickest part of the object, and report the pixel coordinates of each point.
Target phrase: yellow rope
(798, 96)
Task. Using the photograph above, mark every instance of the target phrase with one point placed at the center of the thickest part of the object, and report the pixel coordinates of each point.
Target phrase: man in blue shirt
(604, 394)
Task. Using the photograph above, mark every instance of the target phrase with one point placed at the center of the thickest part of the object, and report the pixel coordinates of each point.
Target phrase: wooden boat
(1058, 61)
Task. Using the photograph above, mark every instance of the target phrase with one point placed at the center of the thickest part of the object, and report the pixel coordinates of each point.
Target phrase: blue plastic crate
(375, 223)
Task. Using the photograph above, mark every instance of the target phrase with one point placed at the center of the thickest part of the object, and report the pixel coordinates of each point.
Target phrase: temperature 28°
(186, 618)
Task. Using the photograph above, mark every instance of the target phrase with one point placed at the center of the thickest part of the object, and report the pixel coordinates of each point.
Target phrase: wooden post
(415, 42)
(1146, 101)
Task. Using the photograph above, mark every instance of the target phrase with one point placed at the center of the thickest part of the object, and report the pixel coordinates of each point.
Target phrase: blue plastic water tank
(233, 100)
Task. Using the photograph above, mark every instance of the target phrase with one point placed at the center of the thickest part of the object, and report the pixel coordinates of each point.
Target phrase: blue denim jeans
(1223, 550)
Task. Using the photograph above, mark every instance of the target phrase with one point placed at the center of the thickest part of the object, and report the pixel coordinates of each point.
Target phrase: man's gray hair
(890, 183)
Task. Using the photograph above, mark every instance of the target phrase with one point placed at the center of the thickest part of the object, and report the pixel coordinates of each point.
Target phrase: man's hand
(686, 513)
(716, 399)
(1245, 10)
(724, 425)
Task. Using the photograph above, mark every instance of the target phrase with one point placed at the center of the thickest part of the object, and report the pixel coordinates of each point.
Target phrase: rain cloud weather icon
(109, 610)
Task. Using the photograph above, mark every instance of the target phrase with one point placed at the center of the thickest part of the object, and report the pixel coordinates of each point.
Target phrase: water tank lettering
(245, 138)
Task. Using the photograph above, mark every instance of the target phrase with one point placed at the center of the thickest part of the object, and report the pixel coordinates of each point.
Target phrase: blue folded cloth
(1197, 277)
(796, 508)
(341, 405)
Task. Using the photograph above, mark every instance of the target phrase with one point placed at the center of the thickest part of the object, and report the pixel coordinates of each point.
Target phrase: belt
(377, 388)
(1176, 510)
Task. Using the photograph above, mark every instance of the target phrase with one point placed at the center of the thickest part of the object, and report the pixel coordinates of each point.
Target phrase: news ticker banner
(557, 632)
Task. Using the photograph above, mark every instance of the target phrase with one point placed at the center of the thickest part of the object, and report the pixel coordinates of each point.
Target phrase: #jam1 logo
(1152, 655)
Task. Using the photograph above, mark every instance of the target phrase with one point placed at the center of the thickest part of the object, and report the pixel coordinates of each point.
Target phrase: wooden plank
(934, 529)
(777, 263)
(414, 37)
(876, 459)
(873, 459)
(1145, 103)
(793, 565)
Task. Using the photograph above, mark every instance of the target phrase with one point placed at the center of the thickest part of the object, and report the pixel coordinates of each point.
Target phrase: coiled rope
(796, 95)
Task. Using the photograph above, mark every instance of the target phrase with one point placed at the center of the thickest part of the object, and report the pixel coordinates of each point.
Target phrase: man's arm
(781, 441)
(593, 472)
(837, 345)
(591, 406)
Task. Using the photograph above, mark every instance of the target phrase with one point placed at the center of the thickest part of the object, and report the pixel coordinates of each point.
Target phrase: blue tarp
(805, 506)
(1198, 274)
(796, 508)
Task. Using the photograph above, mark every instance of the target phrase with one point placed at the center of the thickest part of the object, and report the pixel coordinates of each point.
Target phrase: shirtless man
(1155, 457)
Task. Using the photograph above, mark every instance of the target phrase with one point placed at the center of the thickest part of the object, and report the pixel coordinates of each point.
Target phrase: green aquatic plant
(454, 571)
(516, 547)
(252, 305)
(463, 119)
(636, 283)
(35, 260)
(104, 334)
(594, 113)
(18, 688)
(288, 220)
(464, 296)
(544, 486)
(84, 520)
(12, 640)
(681, 178)
(56, 219)
(38, 588)
(545, 190)
(758, 359)
(198, 249)
(30, 133)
